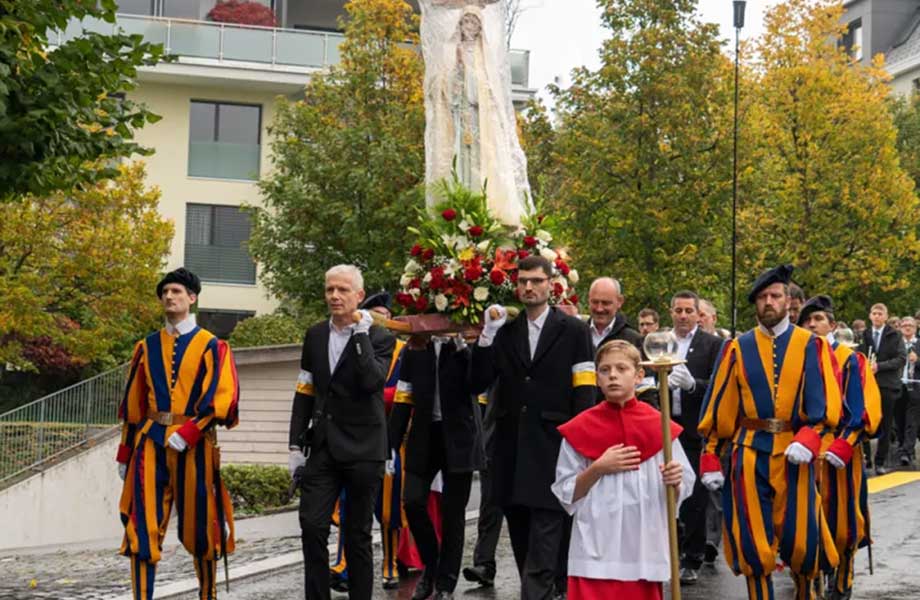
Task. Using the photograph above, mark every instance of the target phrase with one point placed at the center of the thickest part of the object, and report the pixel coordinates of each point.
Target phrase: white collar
(539, 321)
(343, 331)
(689, 335)
(182, 327)
(606, 329)
(778, 329)
(831, 339)
(878, 329)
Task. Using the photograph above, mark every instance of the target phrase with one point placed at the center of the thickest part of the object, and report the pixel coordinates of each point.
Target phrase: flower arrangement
(465, 260)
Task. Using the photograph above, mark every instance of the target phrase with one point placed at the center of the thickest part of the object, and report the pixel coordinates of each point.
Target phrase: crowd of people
(560, 420)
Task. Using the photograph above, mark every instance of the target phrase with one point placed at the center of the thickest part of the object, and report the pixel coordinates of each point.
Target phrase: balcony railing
(232, 45)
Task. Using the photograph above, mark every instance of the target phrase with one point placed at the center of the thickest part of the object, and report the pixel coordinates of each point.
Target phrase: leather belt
(768, 425)
(167, 419)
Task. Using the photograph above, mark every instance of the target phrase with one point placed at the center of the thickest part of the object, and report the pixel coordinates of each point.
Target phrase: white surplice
(619, 528)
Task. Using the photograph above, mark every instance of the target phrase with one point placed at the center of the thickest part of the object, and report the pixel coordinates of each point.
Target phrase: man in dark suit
(907, 411)
(339, 432)
(688, 384)
(542, 362)
(446, 436)
(887, 355)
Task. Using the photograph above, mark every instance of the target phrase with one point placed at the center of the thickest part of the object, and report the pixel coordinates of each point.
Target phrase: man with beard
(773, 394)
(605, 299)
(542, 365)
(796, 302)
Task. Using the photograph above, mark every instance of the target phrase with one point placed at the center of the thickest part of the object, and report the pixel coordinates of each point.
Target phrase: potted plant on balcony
(243, 12)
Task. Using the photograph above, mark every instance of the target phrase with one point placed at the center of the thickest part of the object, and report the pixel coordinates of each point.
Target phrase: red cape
(606, 424)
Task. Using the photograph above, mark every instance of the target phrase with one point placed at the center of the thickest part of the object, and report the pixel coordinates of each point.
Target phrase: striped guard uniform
(191, 379)
(771, 506)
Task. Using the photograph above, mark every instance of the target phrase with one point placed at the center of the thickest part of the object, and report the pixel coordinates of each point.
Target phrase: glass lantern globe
(845, 337)
(660, 346)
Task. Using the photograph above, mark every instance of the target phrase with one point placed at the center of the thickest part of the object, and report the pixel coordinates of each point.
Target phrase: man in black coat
(688, 384)
(907, 411)
(339, 432)
(607, 322)
(887, 355)
(543, 364)
(446, 436)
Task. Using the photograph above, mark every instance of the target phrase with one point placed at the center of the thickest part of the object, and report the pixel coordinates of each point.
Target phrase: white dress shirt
(877, 341)
(683, 346)
(907, 365)
(338, 339)
(182, 327)
(597, 338)
(534, 328)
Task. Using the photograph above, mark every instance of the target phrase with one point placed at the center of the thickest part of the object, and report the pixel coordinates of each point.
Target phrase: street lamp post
(739, 23)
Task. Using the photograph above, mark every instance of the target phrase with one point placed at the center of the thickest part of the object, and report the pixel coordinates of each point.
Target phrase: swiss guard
(774, 393)
(182, 383)
(842, 476)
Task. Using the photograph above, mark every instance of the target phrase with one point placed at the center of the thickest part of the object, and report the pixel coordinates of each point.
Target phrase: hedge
(256, 488)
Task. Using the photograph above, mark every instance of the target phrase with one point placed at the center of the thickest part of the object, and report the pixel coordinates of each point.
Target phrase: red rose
(416, 250)
(530, 241)
(404, 299)
(563, 268)
(475, 231)
(421, 303)
(414, 283)
(472, 273)
(514, 276)
(497, 277)
(557, 289)
(523, 253)
(449, 214)
(428, 254)
(573, 298)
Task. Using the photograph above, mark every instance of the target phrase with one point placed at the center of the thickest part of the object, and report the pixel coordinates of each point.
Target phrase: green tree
(822, 188)
(78, 273)
(348, 161)
(58, 112)
(643, 149)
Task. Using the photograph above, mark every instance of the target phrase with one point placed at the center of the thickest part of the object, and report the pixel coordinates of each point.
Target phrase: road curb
(254, 569)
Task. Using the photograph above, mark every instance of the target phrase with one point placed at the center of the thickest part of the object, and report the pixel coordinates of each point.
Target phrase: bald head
(604, 300)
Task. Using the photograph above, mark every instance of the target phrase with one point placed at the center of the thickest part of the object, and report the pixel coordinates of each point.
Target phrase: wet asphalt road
(896, 529)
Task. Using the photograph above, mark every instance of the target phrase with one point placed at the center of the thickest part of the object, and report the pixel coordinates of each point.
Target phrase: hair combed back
(350, 271)
(619, 347)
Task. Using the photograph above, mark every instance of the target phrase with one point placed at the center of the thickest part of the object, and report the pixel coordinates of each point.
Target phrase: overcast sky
(563, 34)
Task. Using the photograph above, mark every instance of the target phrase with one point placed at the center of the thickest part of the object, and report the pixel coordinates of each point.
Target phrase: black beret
(181, 276)
(780, 274)
(818, 303)
(381, 298)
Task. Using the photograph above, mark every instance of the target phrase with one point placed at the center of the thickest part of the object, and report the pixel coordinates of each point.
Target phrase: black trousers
(323, 480)
(444, 561)
(906, 415)
(489, 527)
(692, 518)
(886, 427)
(537, 536)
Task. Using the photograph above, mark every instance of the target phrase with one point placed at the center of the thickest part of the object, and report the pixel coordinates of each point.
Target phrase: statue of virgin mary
(469, 117)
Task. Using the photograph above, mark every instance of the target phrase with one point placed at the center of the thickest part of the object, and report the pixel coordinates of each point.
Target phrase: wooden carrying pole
(381, 321)
(665, 403)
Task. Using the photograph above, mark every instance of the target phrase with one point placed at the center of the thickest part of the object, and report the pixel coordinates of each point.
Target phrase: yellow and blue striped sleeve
(719, 413)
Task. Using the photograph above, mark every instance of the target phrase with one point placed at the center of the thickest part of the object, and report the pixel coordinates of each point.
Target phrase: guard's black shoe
(479, 574)
(425, 586)
(689, 576)
(390, 583)
(338, 583)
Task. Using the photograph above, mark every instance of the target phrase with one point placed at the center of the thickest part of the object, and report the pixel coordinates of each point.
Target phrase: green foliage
(57, 115)
(255, 488)
(639, 166)
(348, 161)
(267, 330)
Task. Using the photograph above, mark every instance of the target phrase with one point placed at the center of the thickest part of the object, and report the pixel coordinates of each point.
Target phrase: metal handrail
(36, 433)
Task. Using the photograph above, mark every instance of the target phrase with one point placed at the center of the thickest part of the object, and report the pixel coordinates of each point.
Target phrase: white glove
(295, 459)
(835, 460)
(798, 454)
(713, 481)
(681, 377)
(177, 442)
(491, 326)
(390, 465)
(364, 325)
(122, 470)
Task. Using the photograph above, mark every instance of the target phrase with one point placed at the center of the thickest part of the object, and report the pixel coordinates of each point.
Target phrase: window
(215, 244)
(221, 322)
(224, 140)
(852, 40)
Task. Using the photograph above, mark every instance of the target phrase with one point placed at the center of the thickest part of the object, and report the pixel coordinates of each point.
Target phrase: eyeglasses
(523, 281)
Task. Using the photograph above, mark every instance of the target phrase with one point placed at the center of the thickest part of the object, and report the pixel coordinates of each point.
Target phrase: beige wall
(168, 169)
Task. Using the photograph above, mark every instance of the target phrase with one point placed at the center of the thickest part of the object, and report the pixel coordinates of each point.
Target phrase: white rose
(483, 246)
(426, 278)
(480, 293)
(415, 293)
(543, 235)
(573, 276)
(411, 266)
(464, 226)
(440, 302)
(405, 280)
(548, 254)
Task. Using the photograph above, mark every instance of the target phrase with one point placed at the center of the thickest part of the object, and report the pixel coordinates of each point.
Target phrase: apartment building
(212, 145)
